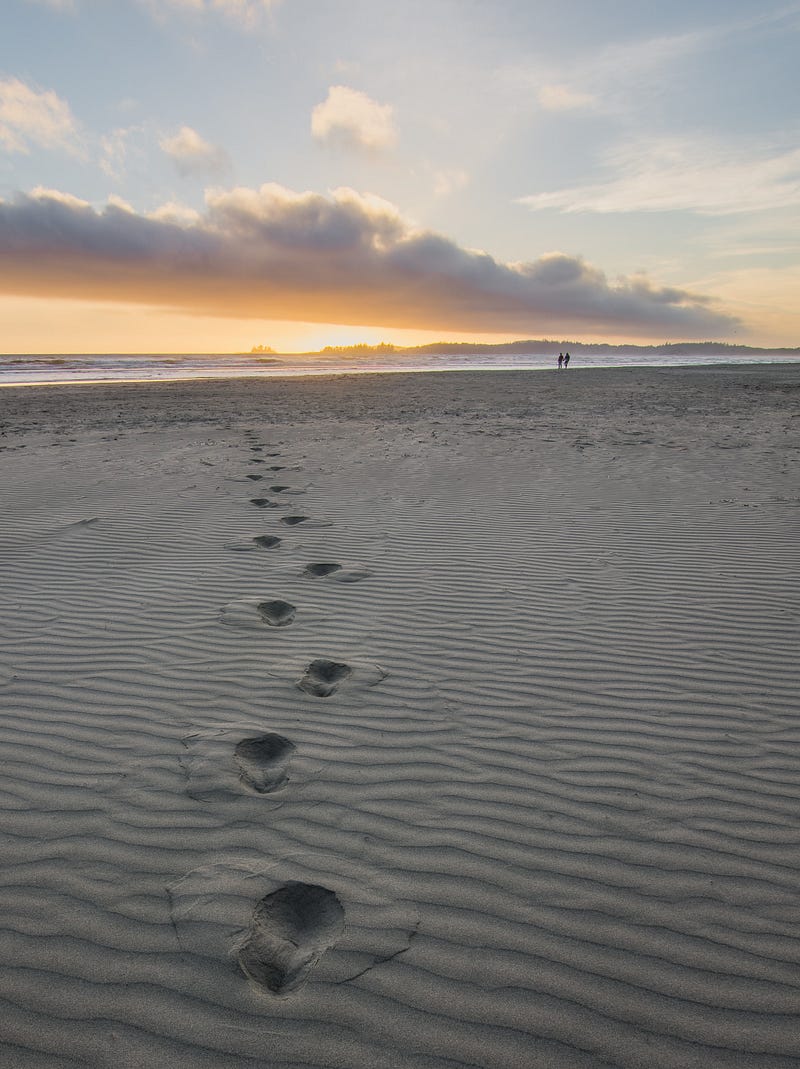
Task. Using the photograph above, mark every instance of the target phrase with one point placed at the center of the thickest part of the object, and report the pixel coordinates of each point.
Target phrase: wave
(61, 369)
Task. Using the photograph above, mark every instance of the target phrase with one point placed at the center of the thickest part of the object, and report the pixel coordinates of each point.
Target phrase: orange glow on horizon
(41, 325)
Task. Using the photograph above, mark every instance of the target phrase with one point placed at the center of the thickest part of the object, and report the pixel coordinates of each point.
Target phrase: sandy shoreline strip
(413, 721)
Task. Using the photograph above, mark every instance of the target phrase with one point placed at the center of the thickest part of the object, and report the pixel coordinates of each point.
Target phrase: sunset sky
(207, 175)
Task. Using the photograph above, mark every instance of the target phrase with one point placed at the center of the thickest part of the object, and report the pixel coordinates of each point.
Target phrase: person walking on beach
(566, 361)
(560, 360)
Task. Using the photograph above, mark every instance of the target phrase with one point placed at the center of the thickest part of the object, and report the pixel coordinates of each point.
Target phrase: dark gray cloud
(348, 258)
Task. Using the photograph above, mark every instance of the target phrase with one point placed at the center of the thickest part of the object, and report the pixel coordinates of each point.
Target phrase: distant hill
(547, 347)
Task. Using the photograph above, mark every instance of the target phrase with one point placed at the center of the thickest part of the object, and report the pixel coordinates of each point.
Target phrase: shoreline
(214, 380)
(309, 371)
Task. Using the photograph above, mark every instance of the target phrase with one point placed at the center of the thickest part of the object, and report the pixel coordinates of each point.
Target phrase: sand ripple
(527, 797)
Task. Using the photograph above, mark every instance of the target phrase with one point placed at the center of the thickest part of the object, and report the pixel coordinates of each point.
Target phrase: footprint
(317, 570)
(262, 761)
(228, 763)
(307, 521)
(258, 614)
(276, 467)
(276, 613)
(71, 528)
(276, 489)
(255, 478)
(322, 677)
(342, 573)
(290, 931)
(344, 919)
(267, 541)
(266, 503)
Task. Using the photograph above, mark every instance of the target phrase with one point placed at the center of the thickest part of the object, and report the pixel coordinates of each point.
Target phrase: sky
(211, 175)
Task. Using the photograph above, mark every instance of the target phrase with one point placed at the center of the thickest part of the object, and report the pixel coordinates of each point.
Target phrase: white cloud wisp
(683, 175)
(244, 12)
(348, 118)
(35, 117)
(192, 155)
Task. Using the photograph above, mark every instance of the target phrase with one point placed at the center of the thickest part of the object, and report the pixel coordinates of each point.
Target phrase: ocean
(72, 369)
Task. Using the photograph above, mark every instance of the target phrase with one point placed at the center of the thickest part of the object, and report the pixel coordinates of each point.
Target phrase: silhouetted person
(560, 360)
(566, 360)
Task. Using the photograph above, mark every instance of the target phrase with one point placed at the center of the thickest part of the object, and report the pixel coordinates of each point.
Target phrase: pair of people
(563, 361)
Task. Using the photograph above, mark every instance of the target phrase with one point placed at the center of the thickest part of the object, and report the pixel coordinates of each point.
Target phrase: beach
(412, 721)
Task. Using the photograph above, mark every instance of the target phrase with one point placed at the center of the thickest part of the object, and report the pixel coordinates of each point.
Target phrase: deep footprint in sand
(262, 761)
(267, 541)
(266, 503)
(225, 763)
(342, 573)
(322, 677)
(255, 478)
(298, 520)
(318, 570)
(276, 613)
(290, 931)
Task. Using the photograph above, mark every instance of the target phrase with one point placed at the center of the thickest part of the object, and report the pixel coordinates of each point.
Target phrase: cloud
(562, 98)
(349, 258)
(192, 155)
(624, 67)
(626, 76)
(448, 182)
(350, 119)
(630, 76)
(245, 12)
(56, 5)
(173, 212)
(35, 117)
(610, 79)
(43, 193)
(769, 296)
(115, 150)
(683, 175)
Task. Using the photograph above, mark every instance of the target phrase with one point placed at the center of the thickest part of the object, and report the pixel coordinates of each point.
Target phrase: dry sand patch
(526, 797)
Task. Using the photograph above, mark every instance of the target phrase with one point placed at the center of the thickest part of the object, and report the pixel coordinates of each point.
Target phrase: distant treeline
(359, 350)
(545, 347)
